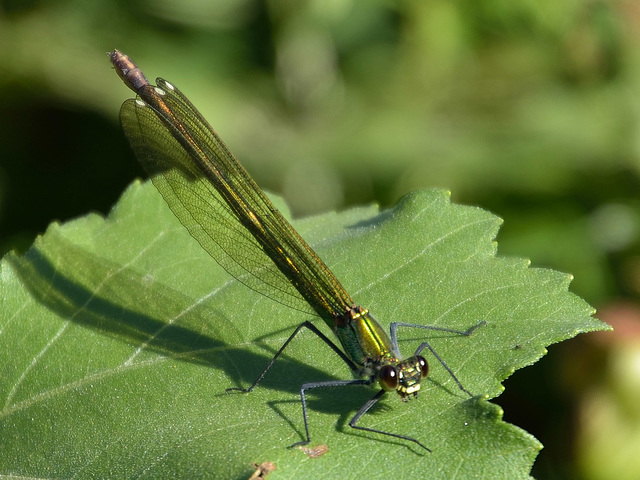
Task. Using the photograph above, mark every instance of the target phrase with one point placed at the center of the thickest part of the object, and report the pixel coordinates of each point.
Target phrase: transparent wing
(224, 210)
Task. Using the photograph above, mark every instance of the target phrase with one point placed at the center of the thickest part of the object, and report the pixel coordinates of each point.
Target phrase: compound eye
(424, 366)
(388, 378)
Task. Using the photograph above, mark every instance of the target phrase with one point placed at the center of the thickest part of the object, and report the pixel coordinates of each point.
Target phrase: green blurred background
(530, 109)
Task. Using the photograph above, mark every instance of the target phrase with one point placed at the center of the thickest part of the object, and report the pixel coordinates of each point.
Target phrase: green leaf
(119, 336)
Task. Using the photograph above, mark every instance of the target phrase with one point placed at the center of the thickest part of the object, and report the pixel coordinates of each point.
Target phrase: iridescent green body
(364, 339)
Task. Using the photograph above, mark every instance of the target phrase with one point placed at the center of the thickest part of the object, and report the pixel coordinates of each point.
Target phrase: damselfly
(223, 208)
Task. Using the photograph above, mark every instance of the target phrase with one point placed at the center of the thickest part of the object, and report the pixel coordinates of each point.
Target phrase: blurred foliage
(608, 437)
(529, 109)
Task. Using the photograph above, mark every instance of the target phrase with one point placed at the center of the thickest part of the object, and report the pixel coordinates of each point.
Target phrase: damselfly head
(404, 377)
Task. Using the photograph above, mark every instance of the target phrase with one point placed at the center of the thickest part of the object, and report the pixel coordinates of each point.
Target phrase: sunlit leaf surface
(118, 337)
